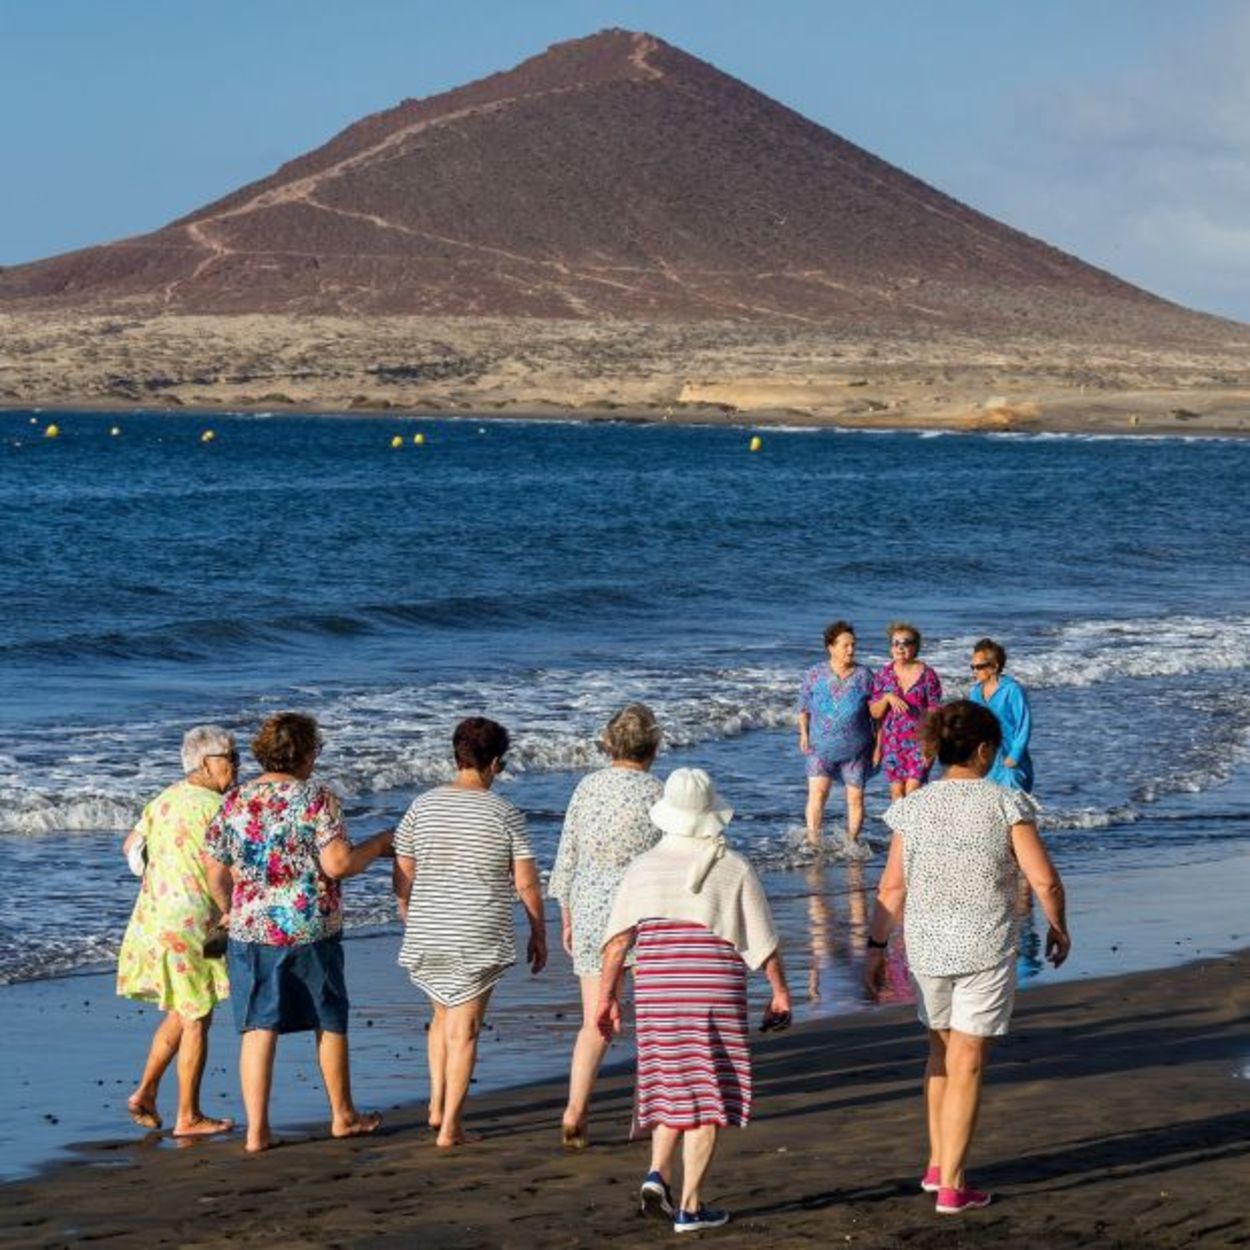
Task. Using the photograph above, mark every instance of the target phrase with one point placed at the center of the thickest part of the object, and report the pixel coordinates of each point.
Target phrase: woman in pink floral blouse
(279, 851)
(902, 693)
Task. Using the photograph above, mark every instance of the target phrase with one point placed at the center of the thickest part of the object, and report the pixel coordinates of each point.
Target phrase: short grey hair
(632, 734)
(204, 740)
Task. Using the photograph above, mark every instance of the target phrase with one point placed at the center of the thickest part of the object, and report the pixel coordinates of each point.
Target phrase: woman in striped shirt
(461, 859)
(696, 916)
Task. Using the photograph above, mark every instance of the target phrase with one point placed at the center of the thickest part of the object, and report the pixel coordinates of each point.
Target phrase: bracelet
(874, 945)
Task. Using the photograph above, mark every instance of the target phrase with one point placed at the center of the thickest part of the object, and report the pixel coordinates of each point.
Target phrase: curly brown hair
(286, 742)
(836, 629)
(953, 732)
(632, 734)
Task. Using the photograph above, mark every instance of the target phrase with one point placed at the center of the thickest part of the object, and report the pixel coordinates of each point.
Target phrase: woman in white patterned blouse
(606, 826)
(951, 879)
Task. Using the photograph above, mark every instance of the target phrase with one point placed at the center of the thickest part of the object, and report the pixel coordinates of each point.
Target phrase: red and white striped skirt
(690, 1001)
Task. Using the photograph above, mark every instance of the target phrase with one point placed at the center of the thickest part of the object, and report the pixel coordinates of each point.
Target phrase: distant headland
(612, 227)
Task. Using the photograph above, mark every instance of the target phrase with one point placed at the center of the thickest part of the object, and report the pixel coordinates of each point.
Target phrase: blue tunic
(1011, 705)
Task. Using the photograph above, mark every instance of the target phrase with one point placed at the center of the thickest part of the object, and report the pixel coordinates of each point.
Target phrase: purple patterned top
(901, 757)
(840, 728)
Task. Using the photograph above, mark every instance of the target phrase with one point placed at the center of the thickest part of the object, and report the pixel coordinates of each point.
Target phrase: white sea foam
(387, 738)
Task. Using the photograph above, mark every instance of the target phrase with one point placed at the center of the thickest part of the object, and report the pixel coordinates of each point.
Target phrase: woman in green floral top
(280, 850)
(162, 958)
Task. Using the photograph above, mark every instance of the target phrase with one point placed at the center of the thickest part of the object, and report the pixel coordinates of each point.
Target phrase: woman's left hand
(566, 934)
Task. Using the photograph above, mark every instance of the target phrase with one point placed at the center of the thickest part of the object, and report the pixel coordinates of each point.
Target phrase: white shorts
(977, 1003)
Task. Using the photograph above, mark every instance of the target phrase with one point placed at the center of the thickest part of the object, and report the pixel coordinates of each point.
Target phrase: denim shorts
(288, 989)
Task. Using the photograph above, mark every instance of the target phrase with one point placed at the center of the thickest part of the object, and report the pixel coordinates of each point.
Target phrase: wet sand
(1116, 1115)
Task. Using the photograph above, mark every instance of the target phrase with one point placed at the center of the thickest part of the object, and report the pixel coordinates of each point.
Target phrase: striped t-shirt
(460, 934)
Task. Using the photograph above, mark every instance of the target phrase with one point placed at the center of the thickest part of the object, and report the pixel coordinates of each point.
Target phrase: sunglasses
(977, 668)
(232, 756)
(903, 642)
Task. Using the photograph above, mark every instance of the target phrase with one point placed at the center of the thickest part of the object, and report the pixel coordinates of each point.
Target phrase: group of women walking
(645, 880)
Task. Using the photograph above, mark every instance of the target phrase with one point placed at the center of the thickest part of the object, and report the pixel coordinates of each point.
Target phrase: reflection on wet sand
(830, 943)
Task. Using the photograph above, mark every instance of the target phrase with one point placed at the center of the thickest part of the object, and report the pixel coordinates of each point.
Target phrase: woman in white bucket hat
(695, 914)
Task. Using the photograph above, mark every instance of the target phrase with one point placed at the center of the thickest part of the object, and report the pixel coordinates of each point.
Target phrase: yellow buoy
(397, 441)
(418, 439)
(52, 431)
(208, 436)
(756, 443)
(115, 431)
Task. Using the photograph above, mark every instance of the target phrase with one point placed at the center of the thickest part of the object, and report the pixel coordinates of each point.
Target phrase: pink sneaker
(931, 1181)
(957, 1201)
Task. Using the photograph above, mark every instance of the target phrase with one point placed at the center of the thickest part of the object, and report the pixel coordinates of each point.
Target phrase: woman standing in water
(835, 731)
(1007, 699)
(902, 692)
(951, 880)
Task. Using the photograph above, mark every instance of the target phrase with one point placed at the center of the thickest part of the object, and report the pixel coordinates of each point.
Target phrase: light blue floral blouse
(606, 826)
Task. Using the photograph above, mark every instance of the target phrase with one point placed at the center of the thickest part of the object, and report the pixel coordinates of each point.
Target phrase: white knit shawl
(730, 901)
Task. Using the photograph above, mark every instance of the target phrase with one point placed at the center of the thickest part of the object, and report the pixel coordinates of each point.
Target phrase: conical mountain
(610, 177)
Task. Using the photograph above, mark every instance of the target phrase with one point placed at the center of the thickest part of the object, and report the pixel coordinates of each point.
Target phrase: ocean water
(545, 574)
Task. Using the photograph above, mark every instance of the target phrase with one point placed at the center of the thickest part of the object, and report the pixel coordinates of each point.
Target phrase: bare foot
(458, 1138)
(574, 1136)
(143, 1114)
(362, 1124)
(202, 1126)
(258, 1145)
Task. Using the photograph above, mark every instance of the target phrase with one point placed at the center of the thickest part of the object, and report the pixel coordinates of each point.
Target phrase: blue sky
(1116, 129)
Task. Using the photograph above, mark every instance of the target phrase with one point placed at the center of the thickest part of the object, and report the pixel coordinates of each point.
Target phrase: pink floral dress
(162, 956)
(901, 757)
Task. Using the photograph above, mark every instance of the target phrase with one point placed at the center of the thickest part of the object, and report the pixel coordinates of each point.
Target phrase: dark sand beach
(1117, 1115)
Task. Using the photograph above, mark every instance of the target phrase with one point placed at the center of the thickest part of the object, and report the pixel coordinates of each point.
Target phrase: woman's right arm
(888, 912)
(1044, 880)
(614, 951)
(775, 971)
(403, 872)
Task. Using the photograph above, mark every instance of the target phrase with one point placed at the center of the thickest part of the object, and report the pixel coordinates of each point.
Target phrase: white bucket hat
(690, 808)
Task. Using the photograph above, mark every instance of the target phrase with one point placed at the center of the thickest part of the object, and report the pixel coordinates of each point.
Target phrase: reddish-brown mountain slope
(613, 176)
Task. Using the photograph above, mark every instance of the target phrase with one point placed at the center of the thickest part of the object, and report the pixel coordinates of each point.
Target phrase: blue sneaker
(655, 1197)
(695, 1221)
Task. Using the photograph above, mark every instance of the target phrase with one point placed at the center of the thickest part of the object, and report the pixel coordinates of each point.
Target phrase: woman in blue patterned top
(836, 731)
